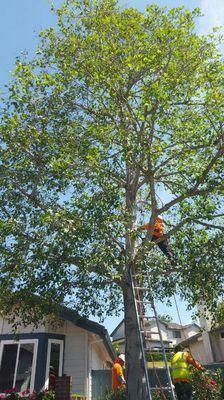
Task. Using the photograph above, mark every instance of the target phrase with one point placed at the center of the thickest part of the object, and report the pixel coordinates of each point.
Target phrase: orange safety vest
(159, 229)
(117, 371)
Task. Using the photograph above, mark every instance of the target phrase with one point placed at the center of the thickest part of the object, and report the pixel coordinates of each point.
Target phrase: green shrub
(120, 394)
(158, 395)
(27, 395)
(158, 356)
(203, 387)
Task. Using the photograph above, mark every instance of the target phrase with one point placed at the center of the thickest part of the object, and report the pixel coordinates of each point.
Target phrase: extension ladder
(143, 301)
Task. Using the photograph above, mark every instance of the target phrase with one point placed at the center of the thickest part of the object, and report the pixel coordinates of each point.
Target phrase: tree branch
(209, 225)
(194, 191)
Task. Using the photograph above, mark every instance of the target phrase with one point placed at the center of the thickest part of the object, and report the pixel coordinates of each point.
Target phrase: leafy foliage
(165, 318)
(13, 394)
(118, 109)
(158, 356)
(120, 394)
(204, 389)
(218, 315)
(161, 395)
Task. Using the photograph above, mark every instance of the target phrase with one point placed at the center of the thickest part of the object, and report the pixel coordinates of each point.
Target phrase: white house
(172, 334)
(197, 346)
(208, 345)
(75, 347)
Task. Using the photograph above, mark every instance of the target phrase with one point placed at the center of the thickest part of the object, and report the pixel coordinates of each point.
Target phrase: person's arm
(193, 362)
(120, 376)
(121, 379)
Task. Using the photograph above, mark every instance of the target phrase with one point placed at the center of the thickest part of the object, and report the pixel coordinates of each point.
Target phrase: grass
(157, 364)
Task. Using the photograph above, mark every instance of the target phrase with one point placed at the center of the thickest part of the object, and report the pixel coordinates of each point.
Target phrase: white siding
(97, 361)
(152, 326)
(198, 351)
(191, 331)
(83, 352)
(217, 346)
(6, 328)
(75, 356)
(98, 358)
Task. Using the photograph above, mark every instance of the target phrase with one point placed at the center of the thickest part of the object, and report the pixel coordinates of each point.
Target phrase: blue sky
(20, 22)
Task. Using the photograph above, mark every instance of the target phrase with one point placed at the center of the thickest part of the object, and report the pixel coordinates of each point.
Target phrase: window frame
(61, 356)
(34, 362)
(175, 331)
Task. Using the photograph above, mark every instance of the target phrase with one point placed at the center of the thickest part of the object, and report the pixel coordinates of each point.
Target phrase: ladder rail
(138, 288)
(164, 353)
(141, 340)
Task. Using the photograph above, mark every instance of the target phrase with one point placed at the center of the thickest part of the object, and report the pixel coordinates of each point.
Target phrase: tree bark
(135, 373)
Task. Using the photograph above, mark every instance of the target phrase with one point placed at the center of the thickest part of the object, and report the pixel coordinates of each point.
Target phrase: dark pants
(183, 391)
(164, 247)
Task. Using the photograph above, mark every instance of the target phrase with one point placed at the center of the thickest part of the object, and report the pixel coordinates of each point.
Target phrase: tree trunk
(135, 373)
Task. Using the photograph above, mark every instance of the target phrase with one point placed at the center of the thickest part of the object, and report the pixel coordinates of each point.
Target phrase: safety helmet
(160, 217)
(122, 357)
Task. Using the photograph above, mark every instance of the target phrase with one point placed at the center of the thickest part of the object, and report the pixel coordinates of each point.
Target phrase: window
(24, 370)
(54, 360)
(177, 334)
(222, 335)
(17, 364)
(8, 365)
(55, 357)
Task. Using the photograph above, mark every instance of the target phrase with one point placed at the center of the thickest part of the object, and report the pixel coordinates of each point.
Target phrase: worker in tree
(181, 373)
(158, 232)
(118, 380)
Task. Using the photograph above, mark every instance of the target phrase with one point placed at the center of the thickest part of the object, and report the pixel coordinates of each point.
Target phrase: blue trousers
(183, 391)
(164, 247)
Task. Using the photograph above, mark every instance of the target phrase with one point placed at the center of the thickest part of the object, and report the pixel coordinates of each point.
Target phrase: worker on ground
(159, 231)
(181, 373)
(118, 380)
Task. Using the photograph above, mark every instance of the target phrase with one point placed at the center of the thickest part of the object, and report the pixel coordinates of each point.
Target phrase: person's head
(121, 359)
(159, 218)
(178, 348)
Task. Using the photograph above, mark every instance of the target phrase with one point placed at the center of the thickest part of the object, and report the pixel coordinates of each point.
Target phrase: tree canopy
(118, 118)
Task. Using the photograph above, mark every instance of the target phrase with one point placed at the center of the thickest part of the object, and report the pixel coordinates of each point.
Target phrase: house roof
(173, 325)
(191, 339)
(122, 340)
(91, 326)
(117, 327)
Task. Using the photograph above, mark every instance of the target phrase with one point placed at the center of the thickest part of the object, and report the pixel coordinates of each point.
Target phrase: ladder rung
(162, 273)
(151, 332)
(141, 276)
(161, 387)
(145, 316)
(144, 302)
(141, 288)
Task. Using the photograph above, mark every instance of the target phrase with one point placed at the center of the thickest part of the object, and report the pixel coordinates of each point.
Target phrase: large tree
(118, 118)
